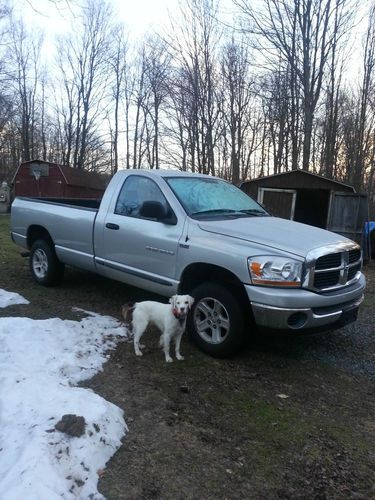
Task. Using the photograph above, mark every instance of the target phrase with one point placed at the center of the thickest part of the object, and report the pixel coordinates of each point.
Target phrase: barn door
(347, 214)
(278, 202)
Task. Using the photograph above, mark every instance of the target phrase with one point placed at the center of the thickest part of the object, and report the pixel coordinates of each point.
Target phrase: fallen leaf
(100, 472)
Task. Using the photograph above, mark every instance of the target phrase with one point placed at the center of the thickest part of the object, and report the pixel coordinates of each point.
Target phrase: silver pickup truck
(174, 232)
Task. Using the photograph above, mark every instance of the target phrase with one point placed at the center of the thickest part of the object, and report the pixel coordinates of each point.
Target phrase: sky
(41, 363)
(143, 16)
(138, 15)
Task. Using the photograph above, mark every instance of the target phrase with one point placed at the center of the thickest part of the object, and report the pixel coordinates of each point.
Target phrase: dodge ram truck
(171, 232)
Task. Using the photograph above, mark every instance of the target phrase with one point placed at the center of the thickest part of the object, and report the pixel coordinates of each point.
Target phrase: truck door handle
(109, 225)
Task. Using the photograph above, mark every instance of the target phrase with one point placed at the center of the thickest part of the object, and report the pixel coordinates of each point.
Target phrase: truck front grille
(354, 255)
(326, 280)
(334, 269)
(328, 261)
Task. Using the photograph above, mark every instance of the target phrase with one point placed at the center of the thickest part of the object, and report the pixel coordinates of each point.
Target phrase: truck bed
(90, 203)
(69, 222)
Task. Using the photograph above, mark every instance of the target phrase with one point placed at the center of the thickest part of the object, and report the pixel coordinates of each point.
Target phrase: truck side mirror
(157, 211)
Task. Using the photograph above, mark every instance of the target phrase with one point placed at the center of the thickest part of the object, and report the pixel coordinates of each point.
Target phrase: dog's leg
(165, 342)
(178, 343)
(139, 329)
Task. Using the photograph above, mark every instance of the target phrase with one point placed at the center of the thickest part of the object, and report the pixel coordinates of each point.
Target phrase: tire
(45, 267)
(216, 322)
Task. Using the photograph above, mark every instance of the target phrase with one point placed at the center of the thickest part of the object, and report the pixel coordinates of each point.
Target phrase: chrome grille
(325, 280)
(353, 271)
(354, 255)
(333, 267)
(328, 261)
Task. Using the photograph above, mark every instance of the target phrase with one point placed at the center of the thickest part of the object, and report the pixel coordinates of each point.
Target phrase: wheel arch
(36, 232)
(45, 267)
(198, 273)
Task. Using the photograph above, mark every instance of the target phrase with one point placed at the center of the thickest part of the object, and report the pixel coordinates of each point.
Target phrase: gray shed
(312, 199)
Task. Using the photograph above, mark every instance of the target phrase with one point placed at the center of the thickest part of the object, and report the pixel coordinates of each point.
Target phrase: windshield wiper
(215, 211)
(231, 212)
(254, 211)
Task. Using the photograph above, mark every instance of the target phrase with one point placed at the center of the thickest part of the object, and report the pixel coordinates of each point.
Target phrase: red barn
(43, 179)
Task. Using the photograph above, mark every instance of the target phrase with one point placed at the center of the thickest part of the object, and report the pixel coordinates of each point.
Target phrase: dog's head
(127, 312)
(181, 305)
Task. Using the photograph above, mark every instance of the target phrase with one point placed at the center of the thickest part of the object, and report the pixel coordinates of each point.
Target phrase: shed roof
(300, 177)
(78, 177)
(73, 176)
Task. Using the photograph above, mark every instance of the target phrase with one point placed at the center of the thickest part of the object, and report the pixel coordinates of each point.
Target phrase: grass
(275, 421)
(8, 250)
(14, 267)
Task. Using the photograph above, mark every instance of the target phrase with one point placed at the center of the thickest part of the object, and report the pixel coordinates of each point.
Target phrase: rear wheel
(45, 267)
(216, 323)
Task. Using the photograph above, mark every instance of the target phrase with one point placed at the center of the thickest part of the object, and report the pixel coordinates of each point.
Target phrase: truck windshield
(204, 198)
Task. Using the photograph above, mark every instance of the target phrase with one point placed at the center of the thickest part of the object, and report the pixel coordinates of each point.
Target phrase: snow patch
(41, 361)
(11, 299)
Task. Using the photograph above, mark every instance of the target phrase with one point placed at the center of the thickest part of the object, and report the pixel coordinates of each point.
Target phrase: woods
(279, 86)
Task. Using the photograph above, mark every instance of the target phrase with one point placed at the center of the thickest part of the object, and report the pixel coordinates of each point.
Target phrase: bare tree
(140, 97)
(194, 49)
(278, 113)
(8, 134)
(335, 67)
(304, 33)
(363, 131)
(23, 61)
(235, 103)
(83, 61)
(178, 125)
(198, 99)
(157, 67)
(118, 63)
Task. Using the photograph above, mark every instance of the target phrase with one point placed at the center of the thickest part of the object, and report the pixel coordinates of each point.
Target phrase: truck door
(347, 214)
(134, 249)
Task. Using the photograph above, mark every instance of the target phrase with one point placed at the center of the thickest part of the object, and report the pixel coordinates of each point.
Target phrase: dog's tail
(127, 313)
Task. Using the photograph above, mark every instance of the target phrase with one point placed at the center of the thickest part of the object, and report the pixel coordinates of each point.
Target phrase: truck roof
(169, 173)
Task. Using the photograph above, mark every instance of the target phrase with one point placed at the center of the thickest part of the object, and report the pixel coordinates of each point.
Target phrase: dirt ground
(291, 417)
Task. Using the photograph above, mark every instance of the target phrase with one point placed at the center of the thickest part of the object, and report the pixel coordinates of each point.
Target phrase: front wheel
(45, 267)
(216, 323)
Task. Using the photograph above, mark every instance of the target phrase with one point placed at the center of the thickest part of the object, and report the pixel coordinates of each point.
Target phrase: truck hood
(281, 234)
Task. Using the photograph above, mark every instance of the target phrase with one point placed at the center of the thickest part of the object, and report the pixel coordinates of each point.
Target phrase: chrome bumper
(300, 319)
(301, 309)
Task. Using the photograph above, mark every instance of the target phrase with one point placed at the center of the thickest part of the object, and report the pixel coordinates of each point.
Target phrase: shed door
(347, 214)
(278, 202)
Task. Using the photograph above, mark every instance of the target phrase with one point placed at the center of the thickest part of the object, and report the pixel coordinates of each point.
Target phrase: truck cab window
(134, 192)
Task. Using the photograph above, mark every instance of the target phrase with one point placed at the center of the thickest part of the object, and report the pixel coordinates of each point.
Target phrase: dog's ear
(172, 301)
(191, 300)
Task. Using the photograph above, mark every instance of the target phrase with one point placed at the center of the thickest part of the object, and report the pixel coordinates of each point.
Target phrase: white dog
(169, 318)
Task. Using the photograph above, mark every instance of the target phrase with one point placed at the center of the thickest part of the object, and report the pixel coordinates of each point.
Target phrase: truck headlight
(270, 270)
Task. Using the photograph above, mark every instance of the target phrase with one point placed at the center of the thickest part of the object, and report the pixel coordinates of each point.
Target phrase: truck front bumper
(300, 309)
